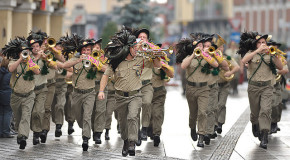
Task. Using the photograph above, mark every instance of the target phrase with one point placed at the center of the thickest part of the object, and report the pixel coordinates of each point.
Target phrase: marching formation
(74, 79)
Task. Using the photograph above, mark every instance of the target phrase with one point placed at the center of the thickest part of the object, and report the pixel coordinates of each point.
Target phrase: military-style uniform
(197, 95)
(48, 103)
(128, 95)
(260, 90)
(22, 99)
(224, 89)
(83, 97)
(158, 101)
(40, 98)
(68, 112)
(111, 105)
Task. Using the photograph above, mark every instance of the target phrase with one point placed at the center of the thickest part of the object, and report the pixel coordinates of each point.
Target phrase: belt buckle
(126, 94)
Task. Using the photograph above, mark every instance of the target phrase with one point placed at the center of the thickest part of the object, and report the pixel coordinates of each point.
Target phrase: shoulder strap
(258, 66)
(199, 64)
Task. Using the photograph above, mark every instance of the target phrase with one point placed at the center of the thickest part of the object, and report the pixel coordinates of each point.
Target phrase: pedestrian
(261, 78)
(5, 93)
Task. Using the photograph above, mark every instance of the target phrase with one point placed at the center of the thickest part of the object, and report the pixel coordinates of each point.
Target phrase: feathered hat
(36, 37)
(72, 43)
(14, 47)
(119, 47)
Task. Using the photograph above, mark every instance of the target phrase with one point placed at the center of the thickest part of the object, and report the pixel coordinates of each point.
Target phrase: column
(6, 8)
(57, 23)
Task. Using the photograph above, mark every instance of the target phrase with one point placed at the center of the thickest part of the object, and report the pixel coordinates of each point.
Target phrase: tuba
(222, 72)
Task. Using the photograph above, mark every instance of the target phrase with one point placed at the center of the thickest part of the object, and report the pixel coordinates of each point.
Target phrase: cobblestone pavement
(175, 139)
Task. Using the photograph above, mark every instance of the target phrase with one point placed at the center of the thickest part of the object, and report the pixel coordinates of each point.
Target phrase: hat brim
(99, 41)
(146, 31)
(82, 46)
(262, 37)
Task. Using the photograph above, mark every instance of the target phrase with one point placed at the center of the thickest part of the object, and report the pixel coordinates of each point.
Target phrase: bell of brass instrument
(145, 46)
(49, 56)
(222, 72)
(25, 54)
(87, 63)
(50, 43)
(272, 50)
(197, 52)
(211, 50)
(97, 53)
(278, 77)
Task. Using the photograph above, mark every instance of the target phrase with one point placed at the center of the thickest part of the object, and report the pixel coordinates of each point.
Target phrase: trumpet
(25, 54)
(49, 56)
(197, 52)
(211, 50)
(87, 63)
(97, 53)
(272, 50)
(50, 43)
(145, 46)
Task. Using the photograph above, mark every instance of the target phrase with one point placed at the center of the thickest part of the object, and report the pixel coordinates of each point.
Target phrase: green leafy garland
(207, 69)
(44, 69)
(63, 72)
(162, 74)
(272, 66)
(91, 74)
(28, 76)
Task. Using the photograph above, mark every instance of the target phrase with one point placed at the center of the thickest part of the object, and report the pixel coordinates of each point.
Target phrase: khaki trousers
(147, 95)
(222, 98)
(22, 107)
(68, 112)
(158, 102)
(99, 112)
(47, 106)
(277, 104)
(111, 107)
(260, 99)
(198, 99)
(82, 105)
(212, 110)
(38, 109)
(60, 100)
(128, 109)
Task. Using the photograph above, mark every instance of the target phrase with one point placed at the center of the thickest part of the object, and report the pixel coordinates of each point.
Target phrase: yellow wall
(5, 25)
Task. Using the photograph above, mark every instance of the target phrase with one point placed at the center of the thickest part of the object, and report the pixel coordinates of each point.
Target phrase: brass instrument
(87, 63)
(153, 53)
(211, 50)
(145, 46)
(97, 53)
(25, 54)
(59, 70)
(49, 56)
(278, 77)
(222, 72)
(272, 50)
(50, 43)
(197, 52)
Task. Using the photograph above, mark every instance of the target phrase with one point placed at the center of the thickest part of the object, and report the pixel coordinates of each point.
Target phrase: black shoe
(22, 142)
(264, 139)
(193, 135)
(278, 129)
(35, 139)
(274, 128)
(70, 129)
(125, 148)
(256, 130)
(219, 128)
(156, 140)
(150, 133)
(213, 136)
(58, 132)
(85, 144)
(118, 128)
(139, 141)
(206, 139)
(97, 137)
(107, 137)
(43, 136)
(144, 134)
(131, 148)
(200, 141)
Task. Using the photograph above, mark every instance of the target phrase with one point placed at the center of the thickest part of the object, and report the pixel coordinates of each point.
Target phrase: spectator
(5, 92)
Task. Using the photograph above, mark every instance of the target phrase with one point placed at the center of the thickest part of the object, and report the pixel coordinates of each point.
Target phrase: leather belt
(60, 80)
(260, 83)
(222, 84)
(158, 88)
(145, 82)
(83, 91)
(197, 84)
(111, 92)
(212, 85)
(24, 95)
(97, 83)
(127, 94)
(40, 87)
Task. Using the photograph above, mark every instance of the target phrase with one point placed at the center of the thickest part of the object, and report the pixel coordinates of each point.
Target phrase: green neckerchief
(162, 73)
(199, 64)
(63, 73)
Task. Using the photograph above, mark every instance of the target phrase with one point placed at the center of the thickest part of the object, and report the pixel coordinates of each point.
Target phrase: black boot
(70, 129)
(255, 130)
(125, 148)
(274, 128)
(131, 148)
(200, 141)
(150, 133)
(85, 144)
(139, 141)
(22, 142)
(156, 140)
(97, 137)
(43, 136)
(213, 136)
(35, 139)
(219, 128)
(206, 139)
(58, 132)
(118, 128)
(107, 137)
(144, 134)
(264, 139)
(193, 135)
